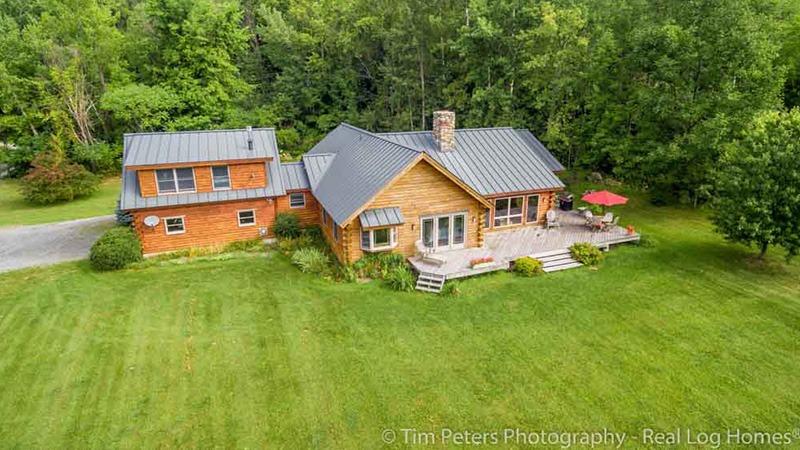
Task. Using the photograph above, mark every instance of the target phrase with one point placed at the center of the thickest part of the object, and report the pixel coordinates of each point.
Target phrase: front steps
(556, 260)
(430, 282)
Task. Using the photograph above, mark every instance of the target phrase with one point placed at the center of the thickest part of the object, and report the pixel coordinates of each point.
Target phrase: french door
(445, 231)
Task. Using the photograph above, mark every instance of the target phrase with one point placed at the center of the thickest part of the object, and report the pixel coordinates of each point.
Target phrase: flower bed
(479, 263)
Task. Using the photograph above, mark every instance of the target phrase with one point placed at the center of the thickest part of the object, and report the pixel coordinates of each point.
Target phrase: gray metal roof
(364, 163)
(541, 151)
(130, 197)
(316, 165)
(294, 176)
(380, 217)
(181, 147)
(490, 160)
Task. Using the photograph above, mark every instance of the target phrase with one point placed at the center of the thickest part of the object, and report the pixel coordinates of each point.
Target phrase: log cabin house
(369, 192)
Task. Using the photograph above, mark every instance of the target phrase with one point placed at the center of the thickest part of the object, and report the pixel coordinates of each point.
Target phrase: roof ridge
(376, 136)
(457, 130)
(197, 131)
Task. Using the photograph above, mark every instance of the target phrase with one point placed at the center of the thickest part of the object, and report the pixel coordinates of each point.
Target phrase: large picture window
(221, 177)
(532, 212)
(508, 211)
(171, 181)
(378, 239)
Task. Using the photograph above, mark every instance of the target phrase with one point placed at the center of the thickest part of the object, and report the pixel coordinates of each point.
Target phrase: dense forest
(650, 91)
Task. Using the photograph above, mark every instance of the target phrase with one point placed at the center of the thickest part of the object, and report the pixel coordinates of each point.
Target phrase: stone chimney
(444, 130)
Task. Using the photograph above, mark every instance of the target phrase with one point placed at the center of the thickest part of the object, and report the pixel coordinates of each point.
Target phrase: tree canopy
(650, 91)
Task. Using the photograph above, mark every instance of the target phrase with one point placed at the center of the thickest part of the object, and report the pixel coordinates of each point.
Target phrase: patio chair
(611, 225)
(588, 216)
(552, 219)
(428, 254)
(608, 217)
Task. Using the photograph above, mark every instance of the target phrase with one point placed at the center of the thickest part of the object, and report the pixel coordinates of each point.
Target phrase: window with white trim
(508, 211)
(247, 217)
(220, 177)
(532, 211)
(297, 200)
(174, 225)
(172, 181)
(379, 239)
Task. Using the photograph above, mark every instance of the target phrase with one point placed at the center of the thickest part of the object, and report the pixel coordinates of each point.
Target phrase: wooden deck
(508, 245)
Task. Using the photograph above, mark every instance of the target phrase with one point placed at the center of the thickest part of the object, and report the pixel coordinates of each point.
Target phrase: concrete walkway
(50, 243)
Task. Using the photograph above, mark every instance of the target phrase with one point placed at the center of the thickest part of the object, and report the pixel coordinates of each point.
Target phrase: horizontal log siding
(243, 176)
(206, 225)
(309, 215)
(422, 191)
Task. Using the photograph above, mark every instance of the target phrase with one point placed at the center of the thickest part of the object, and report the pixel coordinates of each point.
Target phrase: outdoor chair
(611, 225)
(552, 220)
(608, 217)
(429, 255)
(588, 216)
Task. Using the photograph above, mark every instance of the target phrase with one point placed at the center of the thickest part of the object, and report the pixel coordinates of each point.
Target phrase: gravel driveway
(50, 243)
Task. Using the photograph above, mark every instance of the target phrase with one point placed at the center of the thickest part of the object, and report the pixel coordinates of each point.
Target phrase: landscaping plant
(287, 225)
(53, 179)
(311, 260)
(400, 279)
(115, 249)
(586, 253)
(528, 266)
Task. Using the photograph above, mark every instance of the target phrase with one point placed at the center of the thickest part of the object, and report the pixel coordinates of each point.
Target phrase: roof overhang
(224, 162)
(381, 217)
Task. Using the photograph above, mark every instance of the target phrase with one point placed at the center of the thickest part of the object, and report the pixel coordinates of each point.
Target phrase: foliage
(483, 260)
(141, 107)
(115, 249)
(124, 218)
(758, 200)
(528, 266)
(249, 245)
(311, 260)
(287, 225)
(450, 289)
(20, 156)
(347, 273)
(99, 158)
(378, 265)
(400, 279)
(586, 253)
(52, 179)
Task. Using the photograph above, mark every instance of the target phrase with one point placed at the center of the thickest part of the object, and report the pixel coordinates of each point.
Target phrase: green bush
(400, 279)
(586, 253)
(287, 225)
(250, 245)
(450, 289)
(347, 273)
(311, 260)
(528, 266)
(52, 179)
(115, 249)
(378, 265)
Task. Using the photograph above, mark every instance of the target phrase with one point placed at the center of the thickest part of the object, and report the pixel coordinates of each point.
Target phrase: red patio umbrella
(604, 198)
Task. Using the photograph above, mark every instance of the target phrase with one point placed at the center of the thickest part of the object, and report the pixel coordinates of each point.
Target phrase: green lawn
(14, 210)
(251, 353)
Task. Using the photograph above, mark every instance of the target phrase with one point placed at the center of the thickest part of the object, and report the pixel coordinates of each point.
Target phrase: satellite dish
(151, 221)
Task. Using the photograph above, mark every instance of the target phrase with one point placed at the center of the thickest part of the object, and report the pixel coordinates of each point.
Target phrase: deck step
(556, 268)
(430, 282)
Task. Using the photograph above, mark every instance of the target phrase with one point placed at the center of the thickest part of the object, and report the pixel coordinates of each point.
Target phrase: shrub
(450, 289)
(250, 245)
(311, 260)
(528, 266)
(586, 253)
(124, 218)
(348, 273)
(378, 265)
(400, 279)
(52, 179)
(287, 225)
(115, 249)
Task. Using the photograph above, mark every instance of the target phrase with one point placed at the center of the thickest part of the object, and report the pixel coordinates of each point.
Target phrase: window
(324, 217)
(297, 200)
(507, 211)
(487, 217)
(335, 231)
(379, 239)
(174, 225)
(247, 217)
(532, 215)
(171, 181)
(221, 177)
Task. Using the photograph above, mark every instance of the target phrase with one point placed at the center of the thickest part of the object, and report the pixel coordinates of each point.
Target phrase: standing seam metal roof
(130, 195)
(183, 147)
(294, 176)
(380, 217)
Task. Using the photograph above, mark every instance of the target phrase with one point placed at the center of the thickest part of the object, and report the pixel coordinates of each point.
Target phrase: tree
(758, 190)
